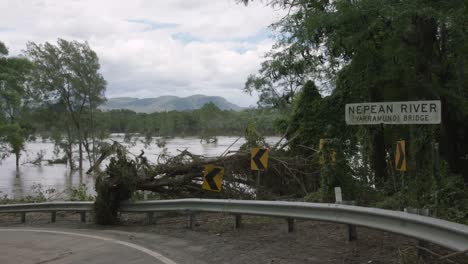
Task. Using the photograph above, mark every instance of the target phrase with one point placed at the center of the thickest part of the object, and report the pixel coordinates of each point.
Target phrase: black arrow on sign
(257, 158)
(402, 156)
(210, 178)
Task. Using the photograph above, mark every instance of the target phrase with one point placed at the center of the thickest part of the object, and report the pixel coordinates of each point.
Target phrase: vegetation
(41, 194)
(118, 184)
(209, 120)
(372, 51)
(67, 79)
(328, 54)
(15, 98)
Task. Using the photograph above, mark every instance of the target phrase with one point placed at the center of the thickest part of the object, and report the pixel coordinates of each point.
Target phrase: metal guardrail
(47, 207)
(450, 235)
(52, 207)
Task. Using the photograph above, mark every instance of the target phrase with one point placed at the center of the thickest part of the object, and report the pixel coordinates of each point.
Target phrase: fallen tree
(181, 176)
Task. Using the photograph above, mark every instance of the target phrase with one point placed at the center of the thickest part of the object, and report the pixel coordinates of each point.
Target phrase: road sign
(259, 158)
(332, 152)
(213, 178)
(400, 156)
(396, 113)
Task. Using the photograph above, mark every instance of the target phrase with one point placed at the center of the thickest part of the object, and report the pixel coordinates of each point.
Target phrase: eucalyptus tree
(67, 74)
(15, 98)
(279, 80)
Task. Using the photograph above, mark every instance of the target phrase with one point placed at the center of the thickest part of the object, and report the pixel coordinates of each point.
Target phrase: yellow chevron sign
(213, 178)
(258, 159)
(400, 156)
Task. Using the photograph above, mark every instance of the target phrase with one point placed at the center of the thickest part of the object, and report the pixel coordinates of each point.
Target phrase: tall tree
(379, 50)
(68, 74)
(15, 98)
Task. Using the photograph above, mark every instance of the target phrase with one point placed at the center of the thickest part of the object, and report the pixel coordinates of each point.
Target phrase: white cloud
(149, 48)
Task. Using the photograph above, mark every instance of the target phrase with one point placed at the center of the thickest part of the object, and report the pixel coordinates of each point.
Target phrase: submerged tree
(67, 75)
(15, 98)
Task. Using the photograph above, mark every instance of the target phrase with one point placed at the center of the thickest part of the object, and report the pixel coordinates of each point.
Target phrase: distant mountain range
(167, 103)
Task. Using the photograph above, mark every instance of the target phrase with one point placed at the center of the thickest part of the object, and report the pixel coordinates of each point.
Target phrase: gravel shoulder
(214, 239)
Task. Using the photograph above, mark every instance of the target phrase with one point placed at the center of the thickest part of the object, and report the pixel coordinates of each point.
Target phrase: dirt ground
(214, 239)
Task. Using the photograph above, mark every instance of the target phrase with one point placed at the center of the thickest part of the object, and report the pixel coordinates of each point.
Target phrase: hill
(167, 103)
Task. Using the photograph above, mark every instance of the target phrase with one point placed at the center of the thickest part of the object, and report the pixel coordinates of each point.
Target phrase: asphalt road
(41, 246)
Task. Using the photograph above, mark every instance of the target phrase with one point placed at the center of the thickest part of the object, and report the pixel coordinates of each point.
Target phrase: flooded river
(17, 184)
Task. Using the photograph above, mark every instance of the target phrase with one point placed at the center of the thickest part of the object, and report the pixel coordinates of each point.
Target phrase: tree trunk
(69, 154)
(89, 152)
(17, 154)
(379, 162)
(80, 146)
(379, 154)
(451, 141)
(69, 149)
(80, 152)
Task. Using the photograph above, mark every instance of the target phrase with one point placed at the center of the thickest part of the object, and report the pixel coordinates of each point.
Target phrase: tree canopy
(15, 99)
(373, 51)
(67, 77)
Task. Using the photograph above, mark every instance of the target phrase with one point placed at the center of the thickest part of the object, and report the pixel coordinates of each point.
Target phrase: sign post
(259, 163)
(331, 152)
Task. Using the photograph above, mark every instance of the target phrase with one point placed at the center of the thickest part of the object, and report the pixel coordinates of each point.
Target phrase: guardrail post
(290, 224)
(53, 216)
(149, 215)
(23, 217)
(238, 221)
(352, 231)
(191, 219)
(83, 216)
(421, 244)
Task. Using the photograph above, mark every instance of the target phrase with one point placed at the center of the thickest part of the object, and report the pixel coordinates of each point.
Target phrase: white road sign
(396, 113)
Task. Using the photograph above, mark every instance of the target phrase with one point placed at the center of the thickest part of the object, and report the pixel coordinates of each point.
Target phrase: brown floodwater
(32, 178)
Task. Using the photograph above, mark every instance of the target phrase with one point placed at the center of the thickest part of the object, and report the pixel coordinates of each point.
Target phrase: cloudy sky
(149, 48)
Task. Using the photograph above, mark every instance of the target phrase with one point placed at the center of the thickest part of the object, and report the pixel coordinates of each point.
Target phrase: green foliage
(253, 138)
(15, 97)
(450, 200)
(3, 49)
(314, 197)
(117, 184)
(281, 77)
(335, 172)
(80, 193)
(202, 122)
(368, 51)
(140, 196)
(13, 135)
(69, 87)
(307, 119)
(39, 195)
